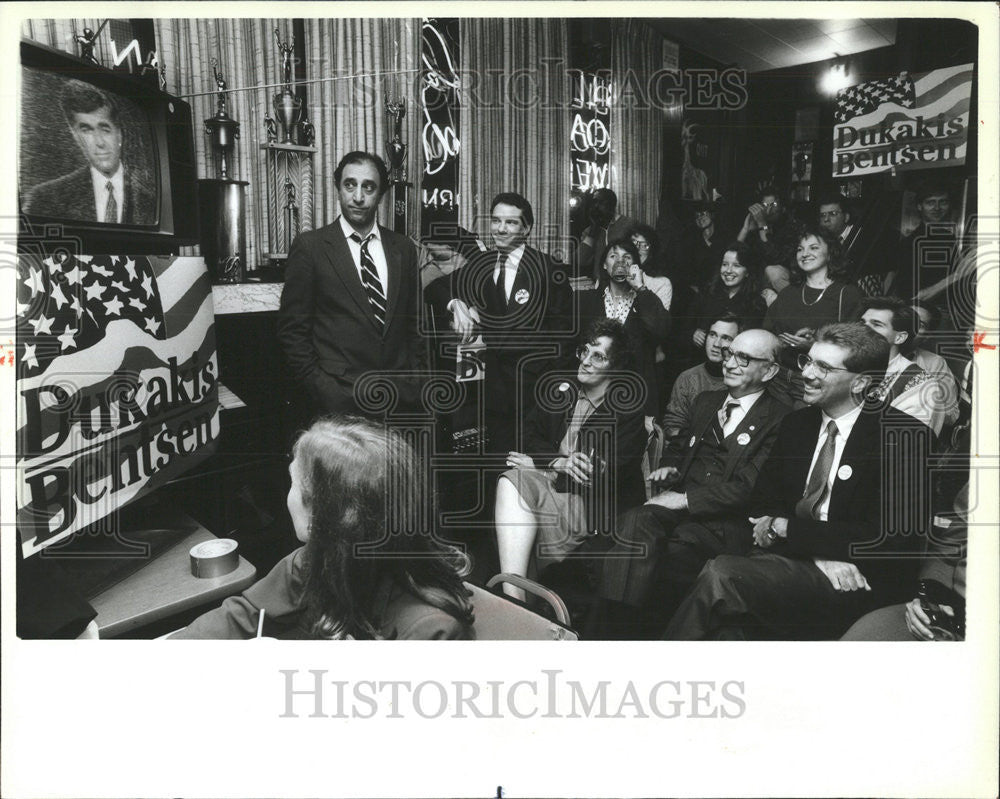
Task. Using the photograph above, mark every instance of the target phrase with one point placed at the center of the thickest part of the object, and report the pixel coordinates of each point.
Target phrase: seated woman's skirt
(562, 519)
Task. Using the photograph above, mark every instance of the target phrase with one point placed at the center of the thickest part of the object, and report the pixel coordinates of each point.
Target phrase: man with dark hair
(522, 303)
(606, 225)
(838, 510)
(906, 386)
(770, 228)
(927, 255)
(102, 190)
(706, 376)
(351, 297)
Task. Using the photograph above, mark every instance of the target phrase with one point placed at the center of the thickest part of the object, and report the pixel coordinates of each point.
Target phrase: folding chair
(501, 618)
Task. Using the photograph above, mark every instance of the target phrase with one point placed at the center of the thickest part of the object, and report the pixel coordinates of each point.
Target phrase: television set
(83, 127)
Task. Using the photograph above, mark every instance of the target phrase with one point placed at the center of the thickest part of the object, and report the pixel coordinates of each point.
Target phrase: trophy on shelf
(270, 128)
(287, 106)
(395, 149)
(223, 129)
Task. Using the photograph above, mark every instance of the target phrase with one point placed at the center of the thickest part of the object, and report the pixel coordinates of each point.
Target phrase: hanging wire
(305, 82)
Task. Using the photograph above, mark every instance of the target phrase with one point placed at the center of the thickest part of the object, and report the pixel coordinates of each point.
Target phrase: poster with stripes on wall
(903, 123)
(117, 384)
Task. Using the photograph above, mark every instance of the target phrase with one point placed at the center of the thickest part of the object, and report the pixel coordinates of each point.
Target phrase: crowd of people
(789, 384)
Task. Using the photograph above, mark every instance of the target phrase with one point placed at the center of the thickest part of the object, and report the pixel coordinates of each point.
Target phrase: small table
(165, 586)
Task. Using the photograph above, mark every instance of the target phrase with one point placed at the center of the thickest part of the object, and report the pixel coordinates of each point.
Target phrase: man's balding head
(752, 362)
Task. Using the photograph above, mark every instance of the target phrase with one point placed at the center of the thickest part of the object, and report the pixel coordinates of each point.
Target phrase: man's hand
(665, 474)
(800, 339)
(577, 466)
(698, 337)
(671, 500)
(463, 320)
(757, 214)
(768, 529)
(917, 622)
(518, 460)
(842, 576)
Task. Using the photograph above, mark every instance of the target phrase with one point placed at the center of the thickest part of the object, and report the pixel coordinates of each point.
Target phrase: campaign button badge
(521, 296)
(743, 439)
(845, 472)
(691, 442)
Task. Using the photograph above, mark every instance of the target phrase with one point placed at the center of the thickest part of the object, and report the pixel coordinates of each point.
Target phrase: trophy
(287, 107)
(395, 149)
(291, 214)
(222, 128)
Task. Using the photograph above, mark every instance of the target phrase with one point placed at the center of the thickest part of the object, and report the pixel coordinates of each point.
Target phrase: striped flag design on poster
(117, 384)
(903, 123)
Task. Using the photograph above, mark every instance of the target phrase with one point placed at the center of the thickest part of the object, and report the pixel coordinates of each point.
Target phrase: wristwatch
(772, 534)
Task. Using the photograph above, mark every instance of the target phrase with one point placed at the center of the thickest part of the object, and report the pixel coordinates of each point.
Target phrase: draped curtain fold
(367, 59)
(348, 113)
(514, 124)
(636, 131)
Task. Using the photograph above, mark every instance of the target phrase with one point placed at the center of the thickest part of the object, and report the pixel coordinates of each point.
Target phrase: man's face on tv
(99, 138)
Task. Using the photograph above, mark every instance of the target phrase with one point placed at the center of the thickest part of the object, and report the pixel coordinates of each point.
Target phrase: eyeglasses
(770, 205)
(641, 245)
(597, 357)
(820, 368)
(741, 357)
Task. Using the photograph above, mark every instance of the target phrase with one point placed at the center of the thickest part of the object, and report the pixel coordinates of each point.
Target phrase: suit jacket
(647, 325)
(72, 197)
(880, 509)
(616, 435)
(281, 594)
(748, 446)
(325, 323)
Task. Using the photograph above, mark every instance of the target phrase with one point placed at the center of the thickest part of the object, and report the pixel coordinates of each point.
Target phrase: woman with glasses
(820, 294)
(623, 295)
(650, 268)
(585, 440)
(735, 289)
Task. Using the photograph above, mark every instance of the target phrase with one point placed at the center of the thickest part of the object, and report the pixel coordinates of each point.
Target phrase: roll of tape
(214, 558)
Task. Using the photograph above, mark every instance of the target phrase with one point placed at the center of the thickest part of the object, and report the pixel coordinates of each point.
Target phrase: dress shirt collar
(514, 257)
(845, 424)
(349, 231)
(745, 403)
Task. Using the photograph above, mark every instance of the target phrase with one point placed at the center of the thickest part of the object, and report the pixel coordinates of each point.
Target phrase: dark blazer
(325, 323)
(880, 508)
(730, 492)
(72, 197)
(616, 434)
(647, 324)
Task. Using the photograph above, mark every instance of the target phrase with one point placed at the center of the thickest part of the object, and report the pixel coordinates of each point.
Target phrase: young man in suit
(522, 303)
(104, 189)
(839, 509)
(708, 473)
(350, 303)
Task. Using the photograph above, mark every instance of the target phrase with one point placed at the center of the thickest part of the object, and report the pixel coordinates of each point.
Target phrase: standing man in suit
(103, 189)
(351, 297)
(709, 470)
(522, 303)
(837, 510)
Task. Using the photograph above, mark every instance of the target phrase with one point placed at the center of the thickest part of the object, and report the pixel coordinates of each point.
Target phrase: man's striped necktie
(369, 278)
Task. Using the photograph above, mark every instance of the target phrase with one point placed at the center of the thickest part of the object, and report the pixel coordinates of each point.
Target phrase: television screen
(105, 159)
(87, 154)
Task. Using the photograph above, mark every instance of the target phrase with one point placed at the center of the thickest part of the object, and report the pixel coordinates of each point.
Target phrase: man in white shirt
(838, 512)
(103, 190)
(933, 399)
(522, 303)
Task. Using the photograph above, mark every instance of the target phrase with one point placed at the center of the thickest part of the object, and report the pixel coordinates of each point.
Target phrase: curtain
(347, 113)
(637, 127)
(514, 123)
(366, 58)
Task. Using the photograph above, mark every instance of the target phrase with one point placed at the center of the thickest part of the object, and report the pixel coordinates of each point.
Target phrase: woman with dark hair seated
(734, 289)
(368, 569)
(623, 295)
(582, 468)
(820, 294)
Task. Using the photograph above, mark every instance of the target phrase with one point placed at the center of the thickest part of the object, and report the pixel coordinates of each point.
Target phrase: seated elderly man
(837, 512)
(706, 376)
(707, 479)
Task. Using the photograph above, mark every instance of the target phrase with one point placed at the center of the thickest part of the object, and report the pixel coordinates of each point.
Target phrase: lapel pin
(691, 442)
(743, 439)
(521, 296)
(845, 472)
(752, 428)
